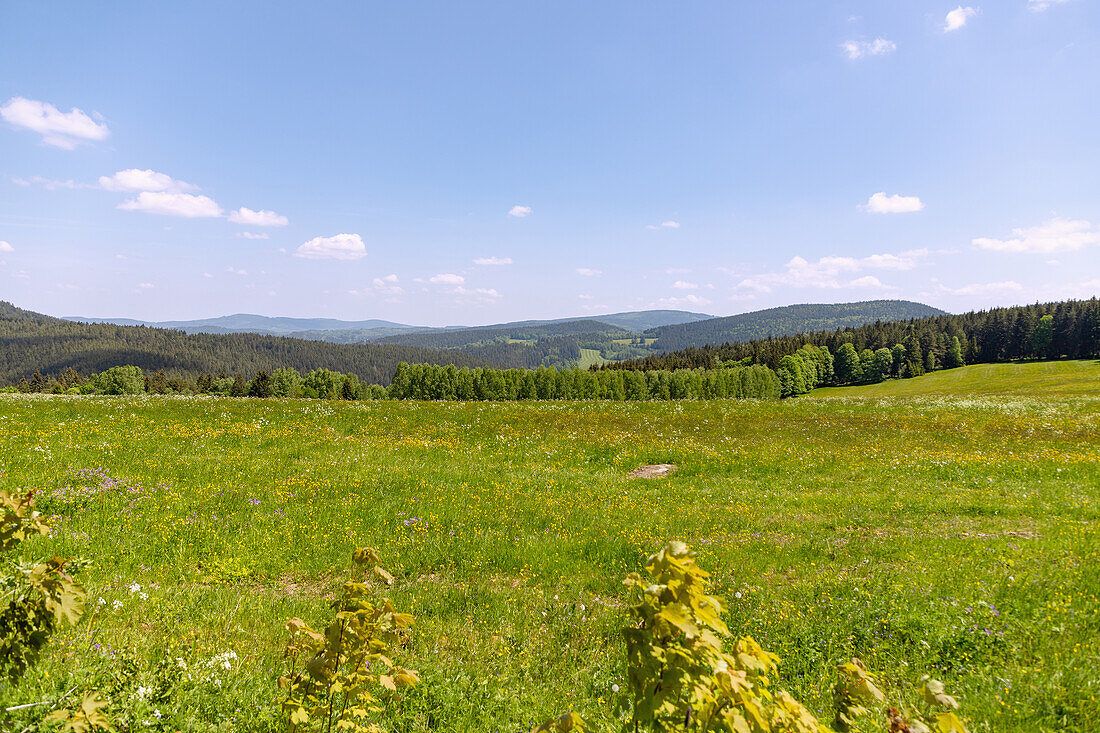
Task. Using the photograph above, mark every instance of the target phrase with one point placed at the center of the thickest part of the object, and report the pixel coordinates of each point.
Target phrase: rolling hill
(785, 321)
(31, 341)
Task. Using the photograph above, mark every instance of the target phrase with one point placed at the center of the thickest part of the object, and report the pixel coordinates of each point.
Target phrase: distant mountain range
(371, 348)
(339, 331)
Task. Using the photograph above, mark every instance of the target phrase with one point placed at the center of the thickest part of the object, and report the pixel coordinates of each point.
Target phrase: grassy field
(590, 357)
(948, 536)
(1022, 379)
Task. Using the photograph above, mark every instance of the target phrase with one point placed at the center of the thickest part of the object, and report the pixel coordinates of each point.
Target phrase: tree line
(430, 382)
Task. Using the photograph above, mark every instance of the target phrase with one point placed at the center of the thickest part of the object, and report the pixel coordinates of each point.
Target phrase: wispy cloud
(664, 225)
(880, 203)
(994, 288)
(48, 183)
(5, 247)
(446, 278)
(338, 247)
(60, 129)
(519, 211)
(859, 49)
(252, 235)
(1039, 6)
(589, 272)
(493, 261)
(1053, 235)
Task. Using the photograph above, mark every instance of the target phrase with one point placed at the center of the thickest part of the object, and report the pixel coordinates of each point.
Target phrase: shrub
(331, 675)
(120, 380)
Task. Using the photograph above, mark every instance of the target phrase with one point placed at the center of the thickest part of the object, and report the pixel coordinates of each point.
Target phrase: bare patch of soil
(658, 470)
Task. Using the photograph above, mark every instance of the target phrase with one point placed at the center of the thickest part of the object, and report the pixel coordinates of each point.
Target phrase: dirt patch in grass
(657, 470)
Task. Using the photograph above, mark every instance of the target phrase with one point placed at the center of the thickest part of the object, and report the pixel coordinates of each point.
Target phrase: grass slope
(1024, 379)
(943, 536)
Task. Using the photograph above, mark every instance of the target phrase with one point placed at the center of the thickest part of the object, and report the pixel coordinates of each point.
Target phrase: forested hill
(457, 338)
(31, 341)
(785, 321)
(1067, 329)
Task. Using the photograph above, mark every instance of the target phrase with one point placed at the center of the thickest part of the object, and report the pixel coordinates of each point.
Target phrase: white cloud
(831, 272)
(869, 281)
(387, 286)
(493, 261)
(474, 295)
(1039, 6)
(262, 218)
(1053, 235)
(997, 288)
(59, 129)
(880, 203)
(145, 286)
(447, 278)
(664, 224)
(859, 49)
(589, 272)
(21, 274)
(5, 247)
(957, 18)
(339, 247)
(691, 299)
(133, 180)
(236, 271)
(681, 285)
(252, 235)
(519, 211)
(207, 274)
(186, 205)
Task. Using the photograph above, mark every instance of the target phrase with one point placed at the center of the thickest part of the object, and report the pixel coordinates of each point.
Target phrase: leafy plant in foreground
(682, 679)
(37, 597)
(332, 690)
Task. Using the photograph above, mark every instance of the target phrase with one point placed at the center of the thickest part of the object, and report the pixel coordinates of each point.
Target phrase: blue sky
(476, 162)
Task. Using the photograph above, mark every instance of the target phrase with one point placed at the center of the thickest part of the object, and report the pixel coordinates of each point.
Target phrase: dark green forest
(31, 342)
(1072, 331)
(785, 321)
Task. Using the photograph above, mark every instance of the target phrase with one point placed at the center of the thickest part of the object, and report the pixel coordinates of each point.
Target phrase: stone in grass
(658, 470)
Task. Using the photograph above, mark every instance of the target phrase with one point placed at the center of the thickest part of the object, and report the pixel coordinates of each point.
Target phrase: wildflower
(614, 688)
(118, 605)
(134, 587)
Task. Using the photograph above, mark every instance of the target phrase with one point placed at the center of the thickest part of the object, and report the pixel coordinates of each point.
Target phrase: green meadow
(1080, 378)
(944, 525)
